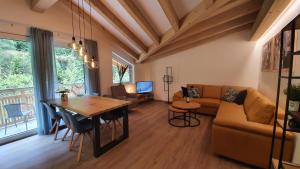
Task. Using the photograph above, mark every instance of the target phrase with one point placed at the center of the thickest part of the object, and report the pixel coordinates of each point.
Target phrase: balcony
(17, 125)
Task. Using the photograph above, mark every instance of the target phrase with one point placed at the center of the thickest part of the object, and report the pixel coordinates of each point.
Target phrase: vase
(294, 105)
(64, 97)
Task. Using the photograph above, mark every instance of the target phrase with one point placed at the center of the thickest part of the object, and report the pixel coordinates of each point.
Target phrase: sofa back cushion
(258, 108)
(210, 91)
(198, 86)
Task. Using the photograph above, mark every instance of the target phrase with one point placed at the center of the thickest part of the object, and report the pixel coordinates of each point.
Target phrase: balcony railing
(26, 97)
(19, 95)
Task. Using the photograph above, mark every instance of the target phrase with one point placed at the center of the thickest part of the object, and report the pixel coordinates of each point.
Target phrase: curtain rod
(15, 34)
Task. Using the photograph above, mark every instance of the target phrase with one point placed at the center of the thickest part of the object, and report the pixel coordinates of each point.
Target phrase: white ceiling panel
(126, 18)
(183, 7)
(156, 16)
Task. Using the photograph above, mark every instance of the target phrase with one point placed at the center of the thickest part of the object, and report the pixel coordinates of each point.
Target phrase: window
(16, 90)
(69, 71)
(128, 76)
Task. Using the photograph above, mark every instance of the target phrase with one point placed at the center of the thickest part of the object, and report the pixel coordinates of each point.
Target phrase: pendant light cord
(72, 17)
(79, 18)
(91, 20)
(83, 20)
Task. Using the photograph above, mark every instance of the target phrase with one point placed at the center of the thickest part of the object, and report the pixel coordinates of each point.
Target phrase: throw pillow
(185, 91)
(230, 95)
(193, 92)
(240, 98)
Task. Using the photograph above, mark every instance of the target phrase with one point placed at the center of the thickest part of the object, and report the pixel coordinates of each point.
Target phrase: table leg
(97, 134)
(125, 123)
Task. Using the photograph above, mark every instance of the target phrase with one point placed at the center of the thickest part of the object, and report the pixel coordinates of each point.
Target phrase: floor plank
(152, 144)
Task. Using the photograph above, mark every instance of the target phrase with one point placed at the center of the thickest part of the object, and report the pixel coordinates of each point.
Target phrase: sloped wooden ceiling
(155, 28)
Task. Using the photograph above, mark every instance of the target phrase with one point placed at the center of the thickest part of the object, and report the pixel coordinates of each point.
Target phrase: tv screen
(144, 87)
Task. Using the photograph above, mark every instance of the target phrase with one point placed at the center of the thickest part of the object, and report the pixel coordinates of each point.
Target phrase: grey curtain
(43, 73)
(92, 78)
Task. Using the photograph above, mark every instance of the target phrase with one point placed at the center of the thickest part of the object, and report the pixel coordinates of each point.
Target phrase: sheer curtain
(43, 74)
(92, 78)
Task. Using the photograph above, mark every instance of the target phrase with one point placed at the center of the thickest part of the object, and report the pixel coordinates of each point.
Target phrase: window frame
(131, 67)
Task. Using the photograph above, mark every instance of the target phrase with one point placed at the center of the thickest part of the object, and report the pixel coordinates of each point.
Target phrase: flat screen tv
(144, 87)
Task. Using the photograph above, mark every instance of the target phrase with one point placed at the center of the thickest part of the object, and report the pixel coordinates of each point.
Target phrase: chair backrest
(53, 114)
(64, 116)
(117, 91)
(13, 110)
(74, 124)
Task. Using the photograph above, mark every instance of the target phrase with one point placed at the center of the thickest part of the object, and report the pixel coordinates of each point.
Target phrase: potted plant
(63, 94)
(121, 71)
(294, 98)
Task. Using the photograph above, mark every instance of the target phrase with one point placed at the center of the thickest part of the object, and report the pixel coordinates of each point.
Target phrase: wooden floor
(152, 144)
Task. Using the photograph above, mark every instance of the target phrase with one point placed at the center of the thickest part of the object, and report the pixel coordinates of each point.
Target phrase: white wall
(16, 17)
(231, 60)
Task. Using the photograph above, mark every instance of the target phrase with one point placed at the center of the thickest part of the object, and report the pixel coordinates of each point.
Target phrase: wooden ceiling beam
(170, 13)
(42, 5)
(198, 14)
(113, 20)
(232, 14)
(246, 20)
(270, 11)
(125, 48)
(133, 10)
(197, 43)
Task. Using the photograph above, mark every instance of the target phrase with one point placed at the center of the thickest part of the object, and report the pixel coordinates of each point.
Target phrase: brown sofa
(242, 132)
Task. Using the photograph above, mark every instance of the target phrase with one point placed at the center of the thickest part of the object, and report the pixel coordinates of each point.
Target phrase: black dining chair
(13, 112)
(56, 116)
(80, 127)
(112, 117)
(68, 125)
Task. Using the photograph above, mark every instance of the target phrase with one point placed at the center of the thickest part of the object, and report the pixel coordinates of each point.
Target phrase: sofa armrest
(177, 96)
(134, 95)
(253, 127)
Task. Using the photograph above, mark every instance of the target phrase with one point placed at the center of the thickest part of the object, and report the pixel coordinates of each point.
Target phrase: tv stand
(147, 96)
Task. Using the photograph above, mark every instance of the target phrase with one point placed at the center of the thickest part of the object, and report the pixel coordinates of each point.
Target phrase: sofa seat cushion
(208, 102)
(232, 116)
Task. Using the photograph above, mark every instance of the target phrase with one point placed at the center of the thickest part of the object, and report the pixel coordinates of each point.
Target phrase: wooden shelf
(280, 122)
(286, 165)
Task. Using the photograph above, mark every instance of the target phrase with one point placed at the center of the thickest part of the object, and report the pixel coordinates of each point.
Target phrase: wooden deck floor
(152, 144)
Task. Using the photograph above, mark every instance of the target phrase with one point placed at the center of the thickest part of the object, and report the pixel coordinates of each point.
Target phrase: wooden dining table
(94, 107)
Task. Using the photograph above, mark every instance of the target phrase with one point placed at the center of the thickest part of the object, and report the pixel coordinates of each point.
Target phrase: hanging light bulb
(73, 44)
(81, 49)
(86, 57)
(94, 64)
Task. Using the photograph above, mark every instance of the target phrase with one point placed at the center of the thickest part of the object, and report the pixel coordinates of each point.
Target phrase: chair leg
(119, 122)
(5, 126)
(53, 127)
(26, 121)
(71, 140)
(80, 147)
(15, 122)
(56, 129)
(66, 133)
(75, 141)
(90, 135)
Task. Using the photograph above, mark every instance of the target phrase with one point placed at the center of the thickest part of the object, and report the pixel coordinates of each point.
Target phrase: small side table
(186, 110)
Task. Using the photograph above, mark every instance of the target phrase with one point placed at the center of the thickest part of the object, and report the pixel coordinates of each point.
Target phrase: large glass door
(17, 116)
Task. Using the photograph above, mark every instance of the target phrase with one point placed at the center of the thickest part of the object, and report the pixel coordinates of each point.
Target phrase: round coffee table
(186, 116)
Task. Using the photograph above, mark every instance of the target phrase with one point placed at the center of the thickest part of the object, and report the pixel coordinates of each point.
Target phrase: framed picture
(267, 56)
(276, 52)
(287, 35)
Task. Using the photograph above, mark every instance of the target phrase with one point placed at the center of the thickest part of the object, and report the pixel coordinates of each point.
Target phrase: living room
(149, 84)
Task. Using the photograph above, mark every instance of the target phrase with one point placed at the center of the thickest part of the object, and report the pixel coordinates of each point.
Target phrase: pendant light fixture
(93, 63)
(80, 47)
(73, 44)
